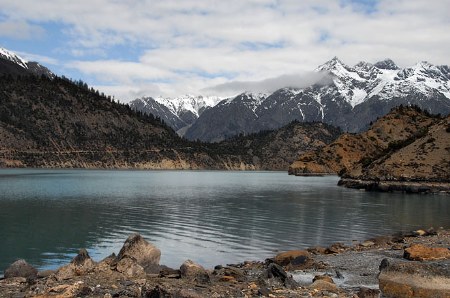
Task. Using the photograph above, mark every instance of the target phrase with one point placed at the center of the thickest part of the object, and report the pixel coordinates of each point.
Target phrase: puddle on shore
(347, 281)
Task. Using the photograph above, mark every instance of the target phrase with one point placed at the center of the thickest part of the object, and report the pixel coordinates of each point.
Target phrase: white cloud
(20, 30)
(42, 59)
(113, 70)
(187, 46)
(269, 85)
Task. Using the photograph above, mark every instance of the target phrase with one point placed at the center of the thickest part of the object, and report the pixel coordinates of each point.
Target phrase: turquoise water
(211, 217)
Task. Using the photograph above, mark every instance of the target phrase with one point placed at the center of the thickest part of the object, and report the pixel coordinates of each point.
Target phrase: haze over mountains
(350, 98)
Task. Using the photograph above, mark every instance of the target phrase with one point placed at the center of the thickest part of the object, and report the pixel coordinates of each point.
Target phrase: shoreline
(334, 271)
(401, 186)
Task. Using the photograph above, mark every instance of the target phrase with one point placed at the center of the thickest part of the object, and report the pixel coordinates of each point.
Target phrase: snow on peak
(339, 70)
(424, 64)
(251, 99)
(332, 64)
(192, 103)
(8, 55)
(386, 64)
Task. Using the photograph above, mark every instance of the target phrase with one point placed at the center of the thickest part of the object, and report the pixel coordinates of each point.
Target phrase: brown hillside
(351, 152)
(425, 159)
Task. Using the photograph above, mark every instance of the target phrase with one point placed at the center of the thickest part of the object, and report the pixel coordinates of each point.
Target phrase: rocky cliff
(407, 144)
(421, 165)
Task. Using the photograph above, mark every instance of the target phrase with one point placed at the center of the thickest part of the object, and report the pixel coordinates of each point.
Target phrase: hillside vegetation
(58, 123)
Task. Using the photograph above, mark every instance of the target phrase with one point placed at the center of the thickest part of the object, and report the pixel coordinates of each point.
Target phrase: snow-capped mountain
(351, 99)
(228, 118)
(188, 103)
(10, 56)
(179, 112)
(11, 63)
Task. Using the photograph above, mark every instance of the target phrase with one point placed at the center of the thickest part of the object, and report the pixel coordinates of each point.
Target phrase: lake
(211, 217)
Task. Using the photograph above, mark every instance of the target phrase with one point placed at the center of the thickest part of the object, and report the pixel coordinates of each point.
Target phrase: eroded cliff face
(350, 153)
(133, 160)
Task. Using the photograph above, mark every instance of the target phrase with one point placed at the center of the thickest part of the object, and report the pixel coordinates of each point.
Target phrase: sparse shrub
(365, 161)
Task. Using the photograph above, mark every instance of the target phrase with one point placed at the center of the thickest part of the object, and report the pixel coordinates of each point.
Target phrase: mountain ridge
(353, 97)
(58, 123)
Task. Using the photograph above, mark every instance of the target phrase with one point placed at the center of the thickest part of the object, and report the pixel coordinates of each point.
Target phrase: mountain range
(348, 97)
(179, 113)
(51, 121)
(58, 123)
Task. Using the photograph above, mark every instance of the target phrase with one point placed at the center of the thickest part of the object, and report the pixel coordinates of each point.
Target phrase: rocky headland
(406, 150)
(415, 264)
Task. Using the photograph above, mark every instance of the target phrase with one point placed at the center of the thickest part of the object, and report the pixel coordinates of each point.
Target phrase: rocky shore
(415, 264)
(404, 186)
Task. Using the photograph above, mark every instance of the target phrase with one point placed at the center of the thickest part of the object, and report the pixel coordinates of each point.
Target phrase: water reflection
(211, 217)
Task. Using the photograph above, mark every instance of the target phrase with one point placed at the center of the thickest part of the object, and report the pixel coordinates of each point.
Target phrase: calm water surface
(209, 217)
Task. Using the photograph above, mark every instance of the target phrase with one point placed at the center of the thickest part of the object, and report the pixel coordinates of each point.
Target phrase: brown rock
(21, 268)
(107, 264)
(45, 273)
(129, 267)
(236, 273)
(419, 252)
(169, 272)
(385, 240)
(323, 277)
(227, 278)
(187, 293)
(146, 254)
(368, 293)
(65, 290)
(367, 243)
(336, 248)
(413, 279)
(294, 259)
(323, 285)
(420, 233)
(194, 271)
(285, 258)
(80, 265)
(318, 250)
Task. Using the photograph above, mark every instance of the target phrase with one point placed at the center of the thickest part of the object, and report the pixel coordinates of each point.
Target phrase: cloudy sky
(174, 47)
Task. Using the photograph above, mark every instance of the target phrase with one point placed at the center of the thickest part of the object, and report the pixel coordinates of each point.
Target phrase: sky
(136, 48)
